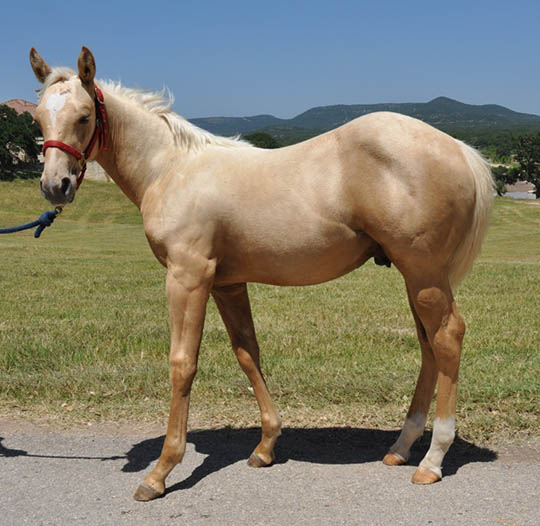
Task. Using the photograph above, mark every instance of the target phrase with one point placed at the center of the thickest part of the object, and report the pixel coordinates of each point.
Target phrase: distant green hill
(234, 125)
(446, 114)
(441, 112)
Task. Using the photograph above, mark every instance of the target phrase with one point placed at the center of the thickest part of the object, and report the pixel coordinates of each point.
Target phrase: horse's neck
(135, 142)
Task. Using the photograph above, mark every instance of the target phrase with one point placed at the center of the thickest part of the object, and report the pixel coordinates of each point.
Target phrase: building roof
(20, 106)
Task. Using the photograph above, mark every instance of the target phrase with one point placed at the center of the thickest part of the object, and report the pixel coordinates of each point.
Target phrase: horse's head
(67, 117)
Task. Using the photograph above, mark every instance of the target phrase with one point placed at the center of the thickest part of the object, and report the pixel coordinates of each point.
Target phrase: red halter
(100, 133)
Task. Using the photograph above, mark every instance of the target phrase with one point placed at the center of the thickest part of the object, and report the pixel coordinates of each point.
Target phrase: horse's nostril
(66, 183)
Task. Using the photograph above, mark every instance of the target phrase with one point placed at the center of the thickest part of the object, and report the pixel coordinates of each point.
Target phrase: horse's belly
(296, 262)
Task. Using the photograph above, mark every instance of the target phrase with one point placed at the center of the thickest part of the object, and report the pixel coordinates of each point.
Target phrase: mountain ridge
(442, 112)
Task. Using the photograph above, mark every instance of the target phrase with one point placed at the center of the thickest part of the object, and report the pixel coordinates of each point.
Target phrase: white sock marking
(443, 436)
(412, 430)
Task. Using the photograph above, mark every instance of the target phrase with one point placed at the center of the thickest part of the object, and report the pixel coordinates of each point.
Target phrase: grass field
(84, 331)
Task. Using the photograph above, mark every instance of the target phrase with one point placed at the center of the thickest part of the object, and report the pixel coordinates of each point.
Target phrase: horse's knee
(182, 374)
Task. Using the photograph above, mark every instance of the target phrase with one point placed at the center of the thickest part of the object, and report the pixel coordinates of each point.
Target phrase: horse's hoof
(255, 461)
(145, 493)
(393, 459)
(425, 476)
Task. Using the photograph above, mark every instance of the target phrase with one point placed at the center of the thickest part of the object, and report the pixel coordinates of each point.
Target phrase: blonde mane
(186, 135)
(58, 74)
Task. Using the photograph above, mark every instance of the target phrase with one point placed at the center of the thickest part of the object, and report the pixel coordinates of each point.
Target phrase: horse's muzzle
(59, 191)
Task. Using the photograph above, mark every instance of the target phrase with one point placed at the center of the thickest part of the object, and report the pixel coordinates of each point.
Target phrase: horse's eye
(84, 120)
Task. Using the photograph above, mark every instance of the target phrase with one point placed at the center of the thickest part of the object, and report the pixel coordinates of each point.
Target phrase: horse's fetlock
(271, 425)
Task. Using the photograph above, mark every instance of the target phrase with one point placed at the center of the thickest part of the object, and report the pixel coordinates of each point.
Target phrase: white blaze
(55, 102)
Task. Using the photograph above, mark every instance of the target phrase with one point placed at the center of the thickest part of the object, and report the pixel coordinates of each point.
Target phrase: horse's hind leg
(413, 428)
(435, 306)
(233, 305)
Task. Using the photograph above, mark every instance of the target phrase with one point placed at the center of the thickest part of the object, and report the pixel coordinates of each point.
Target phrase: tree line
(524, 164)
(18, 143)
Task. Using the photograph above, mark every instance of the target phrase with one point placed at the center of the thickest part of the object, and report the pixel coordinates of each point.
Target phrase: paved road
(323, 477)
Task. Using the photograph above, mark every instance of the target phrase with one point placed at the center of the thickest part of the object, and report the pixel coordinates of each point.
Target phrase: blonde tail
(471, 244)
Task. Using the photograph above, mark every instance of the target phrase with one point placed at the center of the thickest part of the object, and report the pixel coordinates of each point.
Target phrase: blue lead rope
(43, 221)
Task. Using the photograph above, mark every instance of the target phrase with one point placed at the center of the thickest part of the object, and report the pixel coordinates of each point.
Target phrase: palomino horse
(219, 213)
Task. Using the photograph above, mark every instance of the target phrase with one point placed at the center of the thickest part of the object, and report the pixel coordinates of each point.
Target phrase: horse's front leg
(233, 305)
(188, 288)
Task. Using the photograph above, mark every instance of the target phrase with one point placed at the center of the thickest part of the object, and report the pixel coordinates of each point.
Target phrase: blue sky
(238, 58)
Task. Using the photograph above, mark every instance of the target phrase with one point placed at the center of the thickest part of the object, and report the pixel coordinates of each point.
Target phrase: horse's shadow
(334, 445)
(10, 452)
(227, 446)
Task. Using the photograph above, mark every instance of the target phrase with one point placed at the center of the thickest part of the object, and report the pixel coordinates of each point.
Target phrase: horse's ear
(39, 66)
(87, 67)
